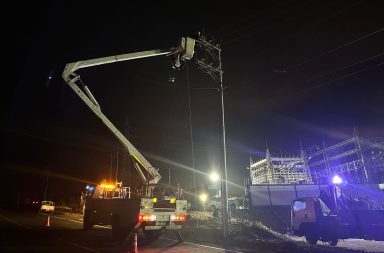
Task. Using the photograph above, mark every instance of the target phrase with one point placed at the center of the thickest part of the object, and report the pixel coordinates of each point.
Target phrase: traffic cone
(47, 222)
(134, 248)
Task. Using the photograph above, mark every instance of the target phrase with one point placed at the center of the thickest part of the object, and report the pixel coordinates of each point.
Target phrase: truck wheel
(333, 242)
(311, 237)
(87, 225)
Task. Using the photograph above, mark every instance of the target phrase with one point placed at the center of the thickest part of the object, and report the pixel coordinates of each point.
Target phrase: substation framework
(357, 160)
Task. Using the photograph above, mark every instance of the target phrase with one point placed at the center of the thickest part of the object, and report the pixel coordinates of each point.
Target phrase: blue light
(49, 77)
(91, 188)
(337, 180)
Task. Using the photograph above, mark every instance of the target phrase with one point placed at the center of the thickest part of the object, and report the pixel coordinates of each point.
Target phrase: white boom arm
(184, 52)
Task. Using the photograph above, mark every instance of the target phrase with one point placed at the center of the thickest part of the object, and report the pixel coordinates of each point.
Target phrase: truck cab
(311, 217)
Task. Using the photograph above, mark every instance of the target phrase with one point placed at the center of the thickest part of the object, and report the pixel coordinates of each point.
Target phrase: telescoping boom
(184, 51)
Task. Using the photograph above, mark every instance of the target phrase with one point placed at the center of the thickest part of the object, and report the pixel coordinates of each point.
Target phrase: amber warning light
(108, 186)
(180, 217)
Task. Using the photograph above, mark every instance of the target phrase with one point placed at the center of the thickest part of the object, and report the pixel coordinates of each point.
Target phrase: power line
(334, 50)
(348, 66)
(329, 82)
(339, 69)
(264, 28)
(258, 21)
(327, 18)
(287, 10)
(248, 83)
(250, 17)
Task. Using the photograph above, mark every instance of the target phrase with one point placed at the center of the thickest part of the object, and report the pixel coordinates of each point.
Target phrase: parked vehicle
(331, 219)
(47, 206)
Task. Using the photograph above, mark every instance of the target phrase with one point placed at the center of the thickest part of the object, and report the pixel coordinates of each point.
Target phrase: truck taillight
(147, 217)
(179, 217)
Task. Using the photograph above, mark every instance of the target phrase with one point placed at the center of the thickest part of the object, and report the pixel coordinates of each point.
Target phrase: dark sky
(293, 71)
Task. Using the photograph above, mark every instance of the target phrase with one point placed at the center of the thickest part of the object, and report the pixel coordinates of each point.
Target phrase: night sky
(294, 71)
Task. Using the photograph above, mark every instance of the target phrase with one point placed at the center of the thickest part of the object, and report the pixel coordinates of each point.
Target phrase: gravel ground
(254, 235)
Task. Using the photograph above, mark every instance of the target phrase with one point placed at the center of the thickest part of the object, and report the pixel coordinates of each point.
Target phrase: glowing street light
(214, 176)
(337, 180)
(203, 197)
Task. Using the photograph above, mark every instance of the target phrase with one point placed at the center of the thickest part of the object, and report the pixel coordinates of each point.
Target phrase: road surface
(27, 232)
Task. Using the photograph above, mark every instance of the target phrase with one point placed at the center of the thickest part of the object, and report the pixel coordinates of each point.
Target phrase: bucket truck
(114, 204)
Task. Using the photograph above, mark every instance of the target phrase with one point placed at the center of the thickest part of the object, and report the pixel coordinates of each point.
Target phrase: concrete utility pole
(212, 66)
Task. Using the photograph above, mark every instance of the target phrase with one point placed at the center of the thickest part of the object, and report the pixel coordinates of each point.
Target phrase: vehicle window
(299, 205)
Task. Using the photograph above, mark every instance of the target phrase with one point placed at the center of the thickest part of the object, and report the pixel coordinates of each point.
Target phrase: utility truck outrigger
(115, 204)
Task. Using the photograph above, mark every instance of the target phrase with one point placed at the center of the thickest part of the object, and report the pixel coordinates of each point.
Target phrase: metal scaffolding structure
(280, 170)
(357, 160)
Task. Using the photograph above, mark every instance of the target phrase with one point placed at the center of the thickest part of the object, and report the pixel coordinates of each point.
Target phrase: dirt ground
(248, 236)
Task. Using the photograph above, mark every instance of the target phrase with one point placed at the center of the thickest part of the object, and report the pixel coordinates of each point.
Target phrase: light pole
(212, 66)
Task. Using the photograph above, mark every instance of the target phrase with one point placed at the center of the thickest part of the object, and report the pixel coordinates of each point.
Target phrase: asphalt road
(26, 232)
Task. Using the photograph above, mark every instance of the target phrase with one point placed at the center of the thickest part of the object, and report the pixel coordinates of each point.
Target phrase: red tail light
(147, 217)
(179, 217)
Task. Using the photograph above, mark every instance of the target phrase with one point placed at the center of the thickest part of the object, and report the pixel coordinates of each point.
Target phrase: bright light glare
(214, 176)
(337, 180)
(203, 197)
(108, 186)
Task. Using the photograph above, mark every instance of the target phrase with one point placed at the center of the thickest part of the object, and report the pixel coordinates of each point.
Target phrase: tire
(311, 237)
(87, 224)
(333, 242)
